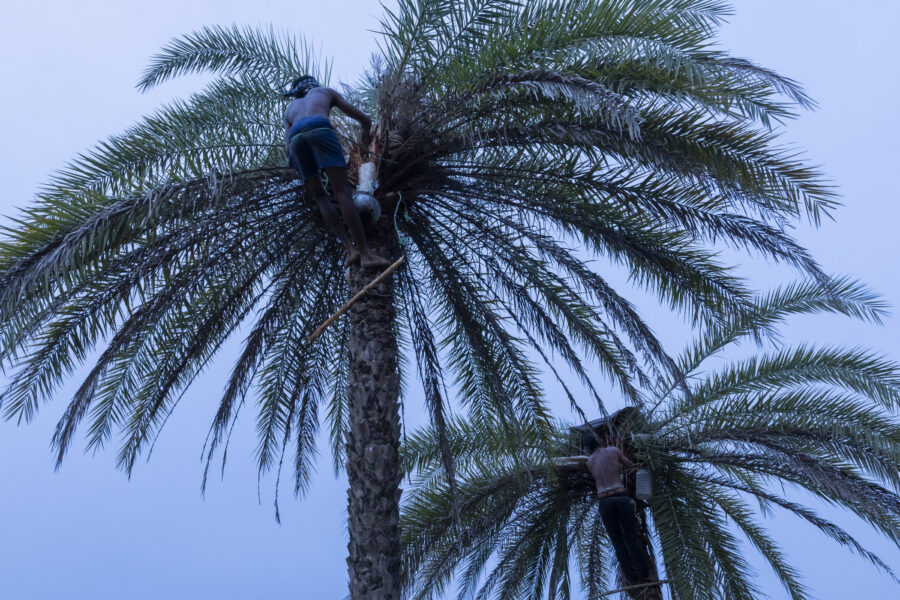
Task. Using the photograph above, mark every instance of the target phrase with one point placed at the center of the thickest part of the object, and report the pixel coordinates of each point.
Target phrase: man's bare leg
(337, 177)
(332, 220)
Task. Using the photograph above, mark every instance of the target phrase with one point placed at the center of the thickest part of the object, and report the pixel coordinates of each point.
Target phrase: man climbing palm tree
(606, 464)
(312, 146)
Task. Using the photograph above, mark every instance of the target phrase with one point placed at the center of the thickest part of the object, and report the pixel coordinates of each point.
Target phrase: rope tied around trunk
(401, 237)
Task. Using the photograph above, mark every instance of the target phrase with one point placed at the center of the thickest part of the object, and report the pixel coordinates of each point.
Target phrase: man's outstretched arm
(624, 460)
(355, 114)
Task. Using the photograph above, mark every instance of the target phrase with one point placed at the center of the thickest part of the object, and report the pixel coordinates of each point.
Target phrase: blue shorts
(314, 146)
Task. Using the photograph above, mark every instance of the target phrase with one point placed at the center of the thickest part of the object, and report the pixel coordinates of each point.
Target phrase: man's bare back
(316, 103)
(607, 465)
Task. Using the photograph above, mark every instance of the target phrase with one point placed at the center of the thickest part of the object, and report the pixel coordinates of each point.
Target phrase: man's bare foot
(373, 261)
(352, 257)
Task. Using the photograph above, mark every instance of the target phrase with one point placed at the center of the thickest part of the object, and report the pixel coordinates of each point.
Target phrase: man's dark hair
(594, 439)
(302, 85)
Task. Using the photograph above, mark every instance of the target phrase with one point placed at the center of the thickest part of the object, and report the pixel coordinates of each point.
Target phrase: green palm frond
(276, 57)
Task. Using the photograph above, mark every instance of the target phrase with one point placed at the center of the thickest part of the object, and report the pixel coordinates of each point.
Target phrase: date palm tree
(517, 142)
(752, 434)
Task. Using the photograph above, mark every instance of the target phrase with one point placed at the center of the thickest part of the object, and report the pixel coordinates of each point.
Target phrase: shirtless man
(312, 146)
(607, 464)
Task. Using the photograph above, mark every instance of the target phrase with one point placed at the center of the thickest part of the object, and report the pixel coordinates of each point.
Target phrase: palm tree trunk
(373, 438)
(654, 592)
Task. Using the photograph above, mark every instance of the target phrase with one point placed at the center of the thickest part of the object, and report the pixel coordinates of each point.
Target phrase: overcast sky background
(68, 76)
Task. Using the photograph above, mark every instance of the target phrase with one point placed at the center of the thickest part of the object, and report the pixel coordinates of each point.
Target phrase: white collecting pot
(365, 203)
(367, 207)
(643, 487)
(366, 178)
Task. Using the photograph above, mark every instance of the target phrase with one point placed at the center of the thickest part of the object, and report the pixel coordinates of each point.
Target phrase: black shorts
(314, 146)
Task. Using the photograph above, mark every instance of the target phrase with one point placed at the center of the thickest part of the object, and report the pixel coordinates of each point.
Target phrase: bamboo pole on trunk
(315, 334)
(631, 587)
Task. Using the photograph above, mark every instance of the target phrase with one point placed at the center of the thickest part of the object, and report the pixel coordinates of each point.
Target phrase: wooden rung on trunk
(315, 334)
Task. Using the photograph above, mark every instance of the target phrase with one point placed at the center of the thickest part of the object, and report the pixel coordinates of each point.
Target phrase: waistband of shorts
(610, 493)
(308, 123)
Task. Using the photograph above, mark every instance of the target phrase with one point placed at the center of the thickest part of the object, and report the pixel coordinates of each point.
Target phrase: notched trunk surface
(373, 439)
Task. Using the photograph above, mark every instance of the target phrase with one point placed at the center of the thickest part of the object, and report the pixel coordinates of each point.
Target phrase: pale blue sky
(86, 532)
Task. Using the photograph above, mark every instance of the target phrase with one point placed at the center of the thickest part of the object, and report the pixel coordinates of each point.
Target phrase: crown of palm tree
(521, 141)
(751, 432)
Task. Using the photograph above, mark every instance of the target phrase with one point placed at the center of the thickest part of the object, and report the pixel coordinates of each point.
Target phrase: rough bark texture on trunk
(373, 439)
